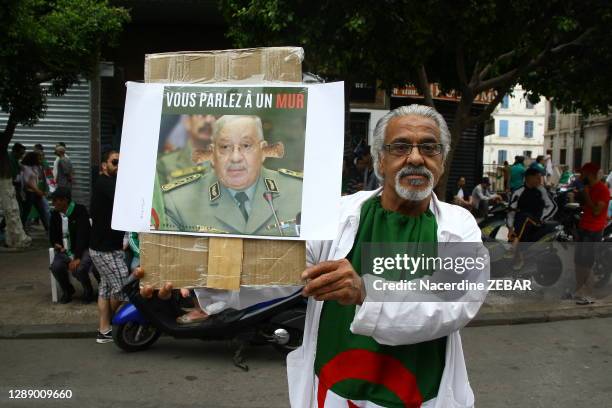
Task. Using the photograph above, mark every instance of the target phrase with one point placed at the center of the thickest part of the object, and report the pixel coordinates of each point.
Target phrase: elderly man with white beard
(358, 352)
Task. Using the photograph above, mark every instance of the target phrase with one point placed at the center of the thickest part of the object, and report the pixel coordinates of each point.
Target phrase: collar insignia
(214, 192)
(271, 185)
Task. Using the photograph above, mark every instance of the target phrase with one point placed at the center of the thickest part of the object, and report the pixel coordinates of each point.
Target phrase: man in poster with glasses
(240, 196)
(361, 352)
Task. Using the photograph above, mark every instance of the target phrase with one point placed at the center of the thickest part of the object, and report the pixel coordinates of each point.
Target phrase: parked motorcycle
(541, 262)
(280, 322)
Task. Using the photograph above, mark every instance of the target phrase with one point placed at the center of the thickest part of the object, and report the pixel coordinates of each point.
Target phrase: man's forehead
(412, 124)
(239, 127)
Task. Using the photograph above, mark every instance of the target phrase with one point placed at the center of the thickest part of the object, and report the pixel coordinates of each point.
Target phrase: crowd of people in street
(34, 180)
(528, 193)
(85, 244)
(83, 241)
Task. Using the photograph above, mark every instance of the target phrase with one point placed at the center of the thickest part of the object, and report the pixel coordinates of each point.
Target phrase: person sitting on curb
(482, 197)
(69, 231)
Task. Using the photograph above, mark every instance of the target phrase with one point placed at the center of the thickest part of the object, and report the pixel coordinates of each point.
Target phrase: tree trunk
(5, 139)
(456, 131)
(14, 235)
(9, 131)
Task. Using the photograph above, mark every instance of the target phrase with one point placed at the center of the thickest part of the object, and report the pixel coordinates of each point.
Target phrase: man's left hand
(74, 264)
(334, 280)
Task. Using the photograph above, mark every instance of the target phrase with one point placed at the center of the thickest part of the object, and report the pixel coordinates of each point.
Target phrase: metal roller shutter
(67, 120)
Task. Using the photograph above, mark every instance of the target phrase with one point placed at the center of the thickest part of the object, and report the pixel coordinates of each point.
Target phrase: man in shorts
(106, 245)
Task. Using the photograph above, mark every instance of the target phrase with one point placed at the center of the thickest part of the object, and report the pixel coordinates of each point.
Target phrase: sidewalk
(27, 310)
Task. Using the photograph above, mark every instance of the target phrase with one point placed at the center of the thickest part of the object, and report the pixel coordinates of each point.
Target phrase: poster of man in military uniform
(249, 177)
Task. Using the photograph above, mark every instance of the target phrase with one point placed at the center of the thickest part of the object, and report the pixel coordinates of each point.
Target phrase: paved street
(560, 364)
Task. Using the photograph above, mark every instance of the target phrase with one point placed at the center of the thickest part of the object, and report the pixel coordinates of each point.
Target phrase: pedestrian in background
(62, 168)
(42, 181)
(69, 232)
(14, 162)
(566, 175)
(459, 198)
(517, 173)
(506, 176)
(17, 153)
(106, 246)
(594, 199)
(47, 168)
(482, 197)
(540, 166)
(34, 196)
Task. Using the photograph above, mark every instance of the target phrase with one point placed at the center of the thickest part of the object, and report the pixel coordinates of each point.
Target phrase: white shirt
(460, 193)
(385, 322)
(479, 193)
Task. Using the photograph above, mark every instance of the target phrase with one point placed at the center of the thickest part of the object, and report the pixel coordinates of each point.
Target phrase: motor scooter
(541, 263)
(139, 323)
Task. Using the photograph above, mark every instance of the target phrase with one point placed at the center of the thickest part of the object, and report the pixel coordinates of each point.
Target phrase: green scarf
(357, 367)
(66, 234)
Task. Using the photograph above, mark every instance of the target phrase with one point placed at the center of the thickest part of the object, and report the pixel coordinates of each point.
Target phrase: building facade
(573, 139)
(518, 129)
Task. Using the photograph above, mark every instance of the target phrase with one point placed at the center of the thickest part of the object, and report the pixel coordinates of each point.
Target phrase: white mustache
(416, 171)
(235, 167)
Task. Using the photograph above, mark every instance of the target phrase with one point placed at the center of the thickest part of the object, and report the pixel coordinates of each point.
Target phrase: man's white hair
(419, 110)
(226, 119)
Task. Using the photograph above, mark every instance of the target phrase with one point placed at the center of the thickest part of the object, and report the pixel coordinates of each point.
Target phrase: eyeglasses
(405, 149)
(227, 149)
(115, 162)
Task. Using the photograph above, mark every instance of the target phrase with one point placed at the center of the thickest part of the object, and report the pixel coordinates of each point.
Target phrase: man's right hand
(165, 292)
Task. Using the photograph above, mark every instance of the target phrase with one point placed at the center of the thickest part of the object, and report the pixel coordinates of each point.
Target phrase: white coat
(386, 321)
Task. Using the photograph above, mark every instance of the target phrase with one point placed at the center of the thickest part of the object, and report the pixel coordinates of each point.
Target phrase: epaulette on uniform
(187, 171)
(292, 173)
(180, 182)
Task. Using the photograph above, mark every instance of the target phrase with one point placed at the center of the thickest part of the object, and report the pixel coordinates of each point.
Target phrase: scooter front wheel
(133, 336)
(548, 270)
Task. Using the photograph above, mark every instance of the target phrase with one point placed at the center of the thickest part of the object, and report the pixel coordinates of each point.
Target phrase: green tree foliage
(52, 42)
(556, 48)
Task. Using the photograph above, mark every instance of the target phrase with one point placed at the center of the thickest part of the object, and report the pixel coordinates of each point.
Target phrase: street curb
(48, 331)
(544, 316)
(81, 331)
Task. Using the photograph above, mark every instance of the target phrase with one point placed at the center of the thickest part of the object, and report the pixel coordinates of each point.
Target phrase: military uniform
(178, 164)
(200, 203)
